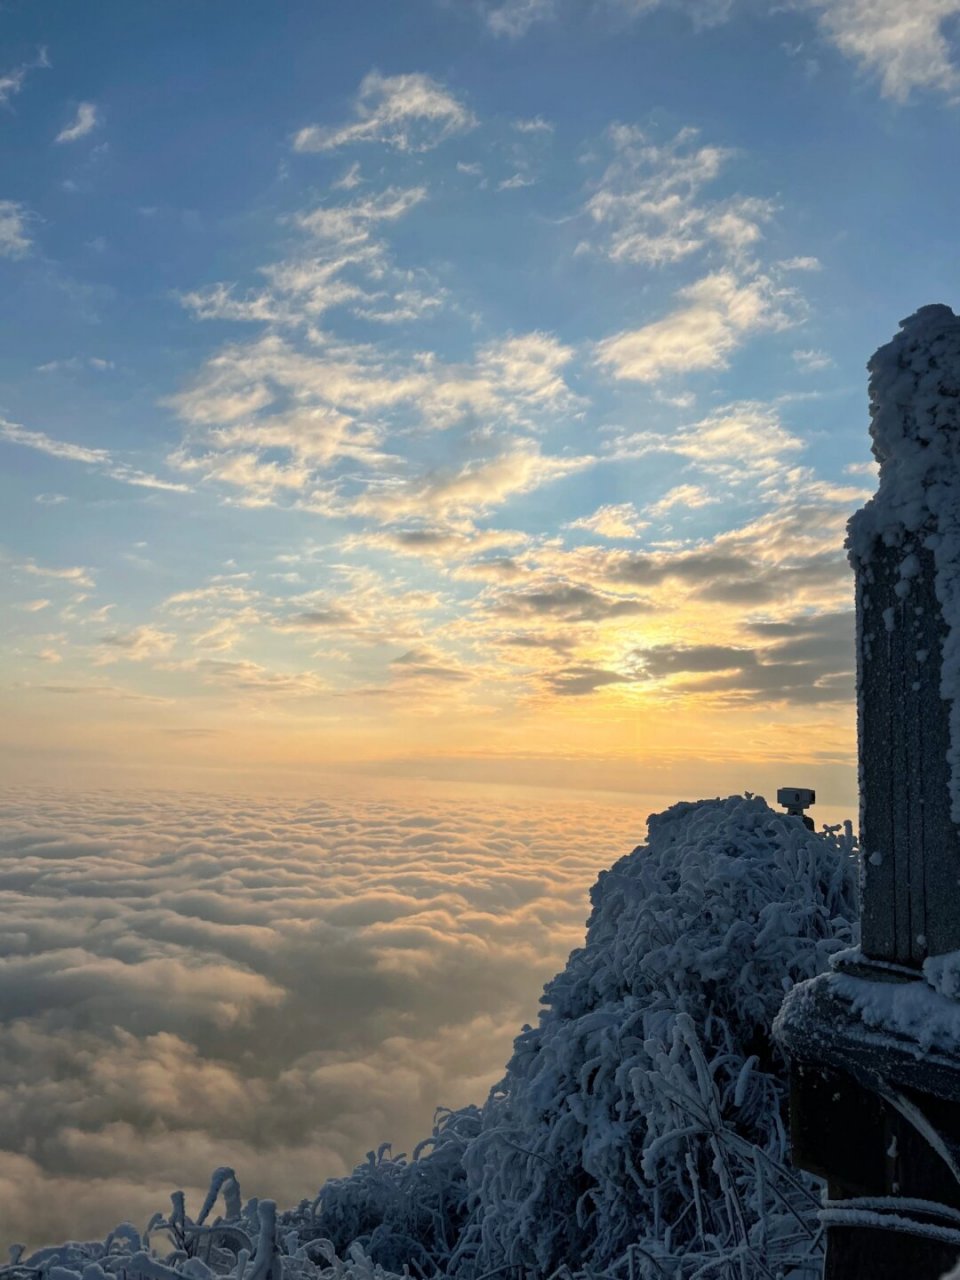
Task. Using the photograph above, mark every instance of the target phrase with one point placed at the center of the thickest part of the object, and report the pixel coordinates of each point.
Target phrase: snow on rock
(639, 1128)
(943, 974)
(911, 1011)
(920, 1015)
(915, 425)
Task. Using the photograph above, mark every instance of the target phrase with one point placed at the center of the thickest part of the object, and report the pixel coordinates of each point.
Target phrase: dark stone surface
(911, 896)
(854, 1252)
(861, 1144)
(864, 1105)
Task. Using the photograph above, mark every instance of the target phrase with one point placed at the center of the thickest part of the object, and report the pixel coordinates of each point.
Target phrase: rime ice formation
(915, 425)
(921, 1016)
(639, 1127)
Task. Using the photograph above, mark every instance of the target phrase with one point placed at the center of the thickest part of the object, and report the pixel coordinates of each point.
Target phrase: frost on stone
(915, 426)
(913, 1014)
(921, 1016)
(639, 1129)
(943, 974)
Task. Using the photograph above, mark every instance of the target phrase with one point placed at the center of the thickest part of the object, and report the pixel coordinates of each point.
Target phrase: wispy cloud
(802, 263)
(236, 414)
(716, 314)
(569, 603)
(12, 82)
(533, 124)
(812, 360)
(351, 178)
(514, 18)
(344, 264)
(14, 238)
(688, 497)
(39, 440)
(138, 645)
(737, 443)
(907, 47)
(474, 488)
(613, 520)
(85, 121)
(351, 224)
(74, 574)
(515, 182)
(102, 459)
(409, 112)
(74, 364)
(648, 206)
(440, 542)
(426, 665)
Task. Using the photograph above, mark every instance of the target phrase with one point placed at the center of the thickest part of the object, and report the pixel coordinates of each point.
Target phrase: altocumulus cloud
(188, 981)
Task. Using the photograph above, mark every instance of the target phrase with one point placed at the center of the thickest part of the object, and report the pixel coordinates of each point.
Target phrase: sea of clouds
(191, 980)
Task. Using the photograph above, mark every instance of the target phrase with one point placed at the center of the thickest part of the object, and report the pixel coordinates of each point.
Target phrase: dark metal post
(875, 1102)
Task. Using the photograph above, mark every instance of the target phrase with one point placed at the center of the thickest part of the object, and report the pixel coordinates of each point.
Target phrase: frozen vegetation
(639, 1130)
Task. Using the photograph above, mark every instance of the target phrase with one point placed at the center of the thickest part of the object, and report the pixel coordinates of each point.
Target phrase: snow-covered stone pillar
(874, 1044)
(905, 549)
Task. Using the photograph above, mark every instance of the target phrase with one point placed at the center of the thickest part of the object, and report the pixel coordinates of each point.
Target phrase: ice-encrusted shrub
(647, 1106)
(639, 1129)
(404, 1211)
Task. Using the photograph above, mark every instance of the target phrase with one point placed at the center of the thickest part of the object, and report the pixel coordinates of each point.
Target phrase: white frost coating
(915, 425)
(912, 1011)
(943, 974)
(923, 1013)
(638, 1130)
(843, 1215)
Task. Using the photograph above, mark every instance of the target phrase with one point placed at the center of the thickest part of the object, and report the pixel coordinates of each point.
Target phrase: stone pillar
(911, 844)
(875, 1065)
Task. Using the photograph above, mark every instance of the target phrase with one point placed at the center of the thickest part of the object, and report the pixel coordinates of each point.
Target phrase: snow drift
(639, 1129)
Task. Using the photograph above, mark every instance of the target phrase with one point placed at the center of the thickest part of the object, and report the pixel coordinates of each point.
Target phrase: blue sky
(464, 389)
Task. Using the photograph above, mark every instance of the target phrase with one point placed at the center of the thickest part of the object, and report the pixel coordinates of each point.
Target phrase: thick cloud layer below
(278, 985)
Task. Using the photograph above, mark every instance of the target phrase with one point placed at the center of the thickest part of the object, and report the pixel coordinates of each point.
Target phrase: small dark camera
(796, 797)
(795, 800)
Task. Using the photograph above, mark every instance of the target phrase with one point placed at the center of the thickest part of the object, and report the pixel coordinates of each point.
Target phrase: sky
(471, 391)
(427, 435)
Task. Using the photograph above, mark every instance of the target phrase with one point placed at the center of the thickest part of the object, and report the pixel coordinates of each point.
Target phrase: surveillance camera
(796, 797)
